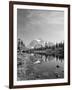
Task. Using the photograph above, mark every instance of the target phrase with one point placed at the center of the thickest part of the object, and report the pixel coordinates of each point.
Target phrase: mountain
(49, 44)
(37, 43)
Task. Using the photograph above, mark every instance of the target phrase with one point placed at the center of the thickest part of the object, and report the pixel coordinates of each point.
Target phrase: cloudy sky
(45, 24)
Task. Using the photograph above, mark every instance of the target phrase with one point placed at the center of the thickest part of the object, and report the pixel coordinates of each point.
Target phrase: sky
(47, 25)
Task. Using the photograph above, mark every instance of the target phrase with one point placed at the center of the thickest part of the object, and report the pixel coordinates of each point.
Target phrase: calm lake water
(37, 66)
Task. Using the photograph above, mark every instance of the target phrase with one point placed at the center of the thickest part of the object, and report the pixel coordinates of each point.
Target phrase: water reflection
(39, 66)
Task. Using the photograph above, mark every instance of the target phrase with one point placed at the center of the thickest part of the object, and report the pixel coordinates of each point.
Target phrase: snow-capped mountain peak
(37, 43)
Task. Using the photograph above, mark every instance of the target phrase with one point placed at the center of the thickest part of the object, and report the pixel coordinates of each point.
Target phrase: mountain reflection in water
(39, 66)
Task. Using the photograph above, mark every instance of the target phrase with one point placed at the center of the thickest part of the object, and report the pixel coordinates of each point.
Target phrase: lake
(32, 66)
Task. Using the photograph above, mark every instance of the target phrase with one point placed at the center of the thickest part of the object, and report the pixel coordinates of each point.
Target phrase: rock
(57, 75)
(37, 62)
(57, 66)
